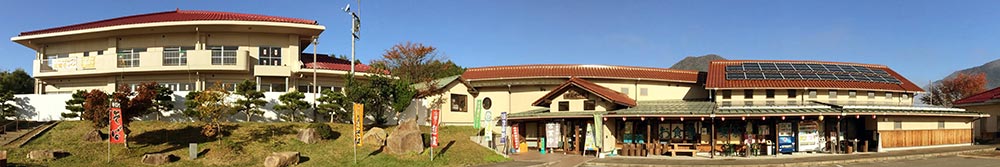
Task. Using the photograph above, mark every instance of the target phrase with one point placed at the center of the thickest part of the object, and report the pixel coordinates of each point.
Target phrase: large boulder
(93, 136)
(156, 159)
(375, 137)
(309, 136)
(406, 138)
(280, 159)
(45, 155)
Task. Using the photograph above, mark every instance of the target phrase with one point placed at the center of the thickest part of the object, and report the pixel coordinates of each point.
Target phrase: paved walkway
(791, 160)
(533, 158)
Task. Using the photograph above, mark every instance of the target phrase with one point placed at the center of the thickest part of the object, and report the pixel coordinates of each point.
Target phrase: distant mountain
(699, 63)
(992, 70)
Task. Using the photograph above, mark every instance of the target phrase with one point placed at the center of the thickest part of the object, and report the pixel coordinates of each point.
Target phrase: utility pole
(315, 84)
(355, 29)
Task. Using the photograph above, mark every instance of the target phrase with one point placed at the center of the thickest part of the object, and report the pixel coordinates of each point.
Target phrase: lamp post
(355, 34)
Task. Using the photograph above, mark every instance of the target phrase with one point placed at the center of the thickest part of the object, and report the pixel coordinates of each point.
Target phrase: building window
(589, 105)
(338, 89)
(897, 125)
(643, 91)
(888, 95)
(305, 89)
(871, 95)
(793, 102)
(100, 52)
(563, 106)
(852, 94)
(940, 124)
(792, 93)
(49, 59)
(748, 103)
(223, 55)
(175, 56)
(269, 56)
(129, 57)
(727, 94)
(769, 103)
(86, 54)
(625, 90)
(813, 94)
(833, 94)
(458, 103)
(905, 96)
(727, 103)
(748, 94)
(769, 93)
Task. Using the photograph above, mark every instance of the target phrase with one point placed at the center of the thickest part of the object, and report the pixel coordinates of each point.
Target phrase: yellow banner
(88, 62)
(359, 122)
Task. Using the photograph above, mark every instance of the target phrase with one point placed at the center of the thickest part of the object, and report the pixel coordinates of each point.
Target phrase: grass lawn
(247, 145)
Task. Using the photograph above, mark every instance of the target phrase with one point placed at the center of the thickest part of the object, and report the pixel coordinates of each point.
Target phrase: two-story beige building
(184, 50)
(738, 105)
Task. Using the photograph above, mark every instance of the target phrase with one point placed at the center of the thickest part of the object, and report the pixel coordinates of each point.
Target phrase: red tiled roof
(331, 63)
(601, 91)
(717, 78)
(582, 71)
(992, 94)
(168, 16)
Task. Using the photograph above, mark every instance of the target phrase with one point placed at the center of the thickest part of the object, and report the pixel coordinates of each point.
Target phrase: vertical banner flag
(117, 131)
(475, 115)
(359, 122)
(503, 127)
(599, 134)
(488, 133)
(514, 137)
(435, 118)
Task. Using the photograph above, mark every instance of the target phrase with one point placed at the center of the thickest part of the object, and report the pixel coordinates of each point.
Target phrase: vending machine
(786, 138)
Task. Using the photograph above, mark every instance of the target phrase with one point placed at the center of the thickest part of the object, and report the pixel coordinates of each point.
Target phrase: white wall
(47, 107)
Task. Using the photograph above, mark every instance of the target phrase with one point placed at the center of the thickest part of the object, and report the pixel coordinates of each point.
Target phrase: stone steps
(26, 132)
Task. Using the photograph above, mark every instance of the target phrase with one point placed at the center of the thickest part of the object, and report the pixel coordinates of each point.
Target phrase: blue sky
(923, 40)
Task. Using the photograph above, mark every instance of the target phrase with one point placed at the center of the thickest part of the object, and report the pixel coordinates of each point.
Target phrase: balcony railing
(144, 61)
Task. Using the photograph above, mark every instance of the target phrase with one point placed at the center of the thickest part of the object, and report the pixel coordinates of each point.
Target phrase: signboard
(88, 62)
(435, 118)
(488, 133)
(70, 63)
(590, 140)
(117, 134)
(808, 136)
(503, 127)
(476, 117)
(552, 135)
(359, 123)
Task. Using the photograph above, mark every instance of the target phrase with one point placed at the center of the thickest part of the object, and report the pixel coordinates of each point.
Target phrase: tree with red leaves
(136, 103)
(948, 90)
(95, 108)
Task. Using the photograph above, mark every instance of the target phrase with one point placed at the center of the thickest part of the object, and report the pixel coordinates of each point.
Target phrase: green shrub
(322, 129)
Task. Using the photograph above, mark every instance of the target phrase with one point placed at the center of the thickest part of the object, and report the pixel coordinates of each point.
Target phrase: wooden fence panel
(909, 138)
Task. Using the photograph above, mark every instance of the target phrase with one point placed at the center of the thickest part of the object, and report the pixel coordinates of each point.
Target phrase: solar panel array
(807, 71)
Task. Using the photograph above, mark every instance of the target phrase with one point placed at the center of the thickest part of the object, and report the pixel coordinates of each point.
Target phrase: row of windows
(769, 93)
(898, 125)
(588, 105)
(796, 102)
(642, 91)
(177, 56)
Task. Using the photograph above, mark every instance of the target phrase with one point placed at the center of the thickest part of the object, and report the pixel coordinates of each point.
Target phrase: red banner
(514, 136)
(117, 134)
(435, 114)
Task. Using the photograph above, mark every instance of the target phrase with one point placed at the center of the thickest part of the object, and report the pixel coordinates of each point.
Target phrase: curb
(812, 163)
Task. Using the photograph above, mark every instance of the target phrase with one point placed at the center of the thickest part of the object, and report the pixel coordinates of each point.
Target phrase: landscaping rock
(308, 136)
(375, 137)
(45, 155)
(3, 158)
(280, 159)
(93, 136)
(156, 159)
(406, 138)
